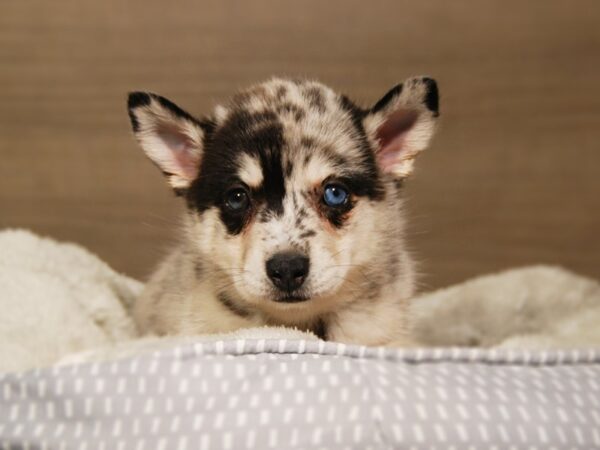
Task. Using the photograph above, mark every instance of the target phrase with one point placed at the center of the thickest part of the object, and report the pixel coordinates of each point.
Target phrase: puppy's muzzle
(288, 270)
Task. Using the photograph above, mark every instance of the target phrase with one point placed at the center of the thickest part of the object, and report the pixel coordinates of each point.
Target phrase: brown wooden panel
(512, 178)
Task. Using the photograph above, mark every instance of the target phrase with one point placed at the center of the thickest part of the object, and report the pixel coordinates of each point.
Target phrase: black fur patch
(289, 168)
(320, 329)
(362, 185)
(290, 108)
(264, 215)
(432, 98)
(392, 93)
(281, 92)
(336, 158)
(336, 216)
(274, 190)
(368, 179)
(308, 142)
(176, 110)
(273, 187)
(261, 136)
(301, 213)
(315, 98)
(138, 99)
(135, 100)
(307, 234)
(235, 222)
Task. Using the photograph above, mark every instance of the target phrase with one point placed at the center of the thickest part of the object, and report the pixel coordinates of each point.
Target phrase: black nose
(288, 270)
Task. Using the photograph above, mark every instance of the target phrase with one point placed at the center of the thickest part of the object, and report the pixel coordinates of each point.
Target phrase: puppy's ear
(402, 124)
(170, 137)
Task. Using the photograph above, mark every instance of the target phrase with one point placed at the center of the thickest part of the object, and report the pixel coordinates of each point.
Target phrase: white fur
(250, 171)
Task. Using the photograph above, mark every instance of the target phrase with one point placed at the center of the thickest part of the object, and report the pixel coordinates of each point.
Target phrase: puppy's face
(292, 189)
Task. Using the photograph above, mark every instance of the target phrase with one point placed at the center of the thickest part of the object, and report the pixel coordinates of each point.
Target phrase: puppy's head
(292, 189)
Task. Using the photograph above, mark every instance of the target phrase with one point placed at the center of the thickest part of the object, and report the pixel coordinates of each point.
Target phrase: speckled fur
(283, 140)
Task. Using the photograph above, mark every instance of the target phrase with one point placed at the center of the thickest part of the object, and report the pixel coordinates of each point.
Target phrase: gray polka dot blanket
(298, 394)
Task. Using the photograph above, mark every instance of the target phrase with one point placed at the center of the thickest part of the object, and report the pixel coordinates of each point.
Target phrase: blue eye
(335, 195)
(237, 200)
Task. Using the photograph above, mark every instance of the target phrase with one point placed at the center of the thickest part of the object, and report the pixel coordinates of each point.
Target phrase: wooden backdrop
(513, 176)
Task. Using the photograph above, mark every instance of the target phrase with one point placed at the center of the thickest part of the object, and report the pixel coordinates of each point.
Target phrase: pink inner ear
(183, 158)
(391, 136)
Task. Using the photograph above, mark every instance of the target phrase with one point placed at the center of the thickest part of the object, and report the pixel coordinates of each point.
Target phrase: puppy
(294, 210)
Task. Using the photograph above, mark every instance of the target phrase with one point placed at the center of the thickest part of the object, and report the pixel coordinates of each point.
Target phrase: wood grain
(512, 178)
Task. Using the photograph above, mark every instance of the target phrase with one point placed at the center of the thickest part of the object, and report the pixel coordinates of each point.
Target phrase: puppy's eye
(335, 195)
(237, 200)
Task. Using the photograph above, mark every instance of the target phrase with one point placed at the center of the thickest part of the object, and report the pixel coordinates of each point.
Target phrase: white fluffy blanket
(57, 300)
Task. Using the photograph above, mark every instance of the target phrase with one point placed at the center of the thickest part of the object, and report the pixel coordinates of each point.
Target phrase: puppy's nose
(288, 270)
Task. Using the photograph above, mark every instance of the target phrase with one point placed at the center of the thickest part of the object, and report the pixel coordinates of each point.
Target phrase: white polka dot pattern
(261, 394)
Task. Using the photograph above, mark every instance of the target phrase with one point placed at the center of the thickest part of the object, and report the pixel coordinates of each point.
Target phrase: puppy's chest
(222, 313)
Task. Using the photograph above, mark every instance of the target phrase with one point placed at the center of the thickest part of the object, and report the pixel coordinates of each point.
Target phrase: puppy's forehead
(285, 97)
(303, 124)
